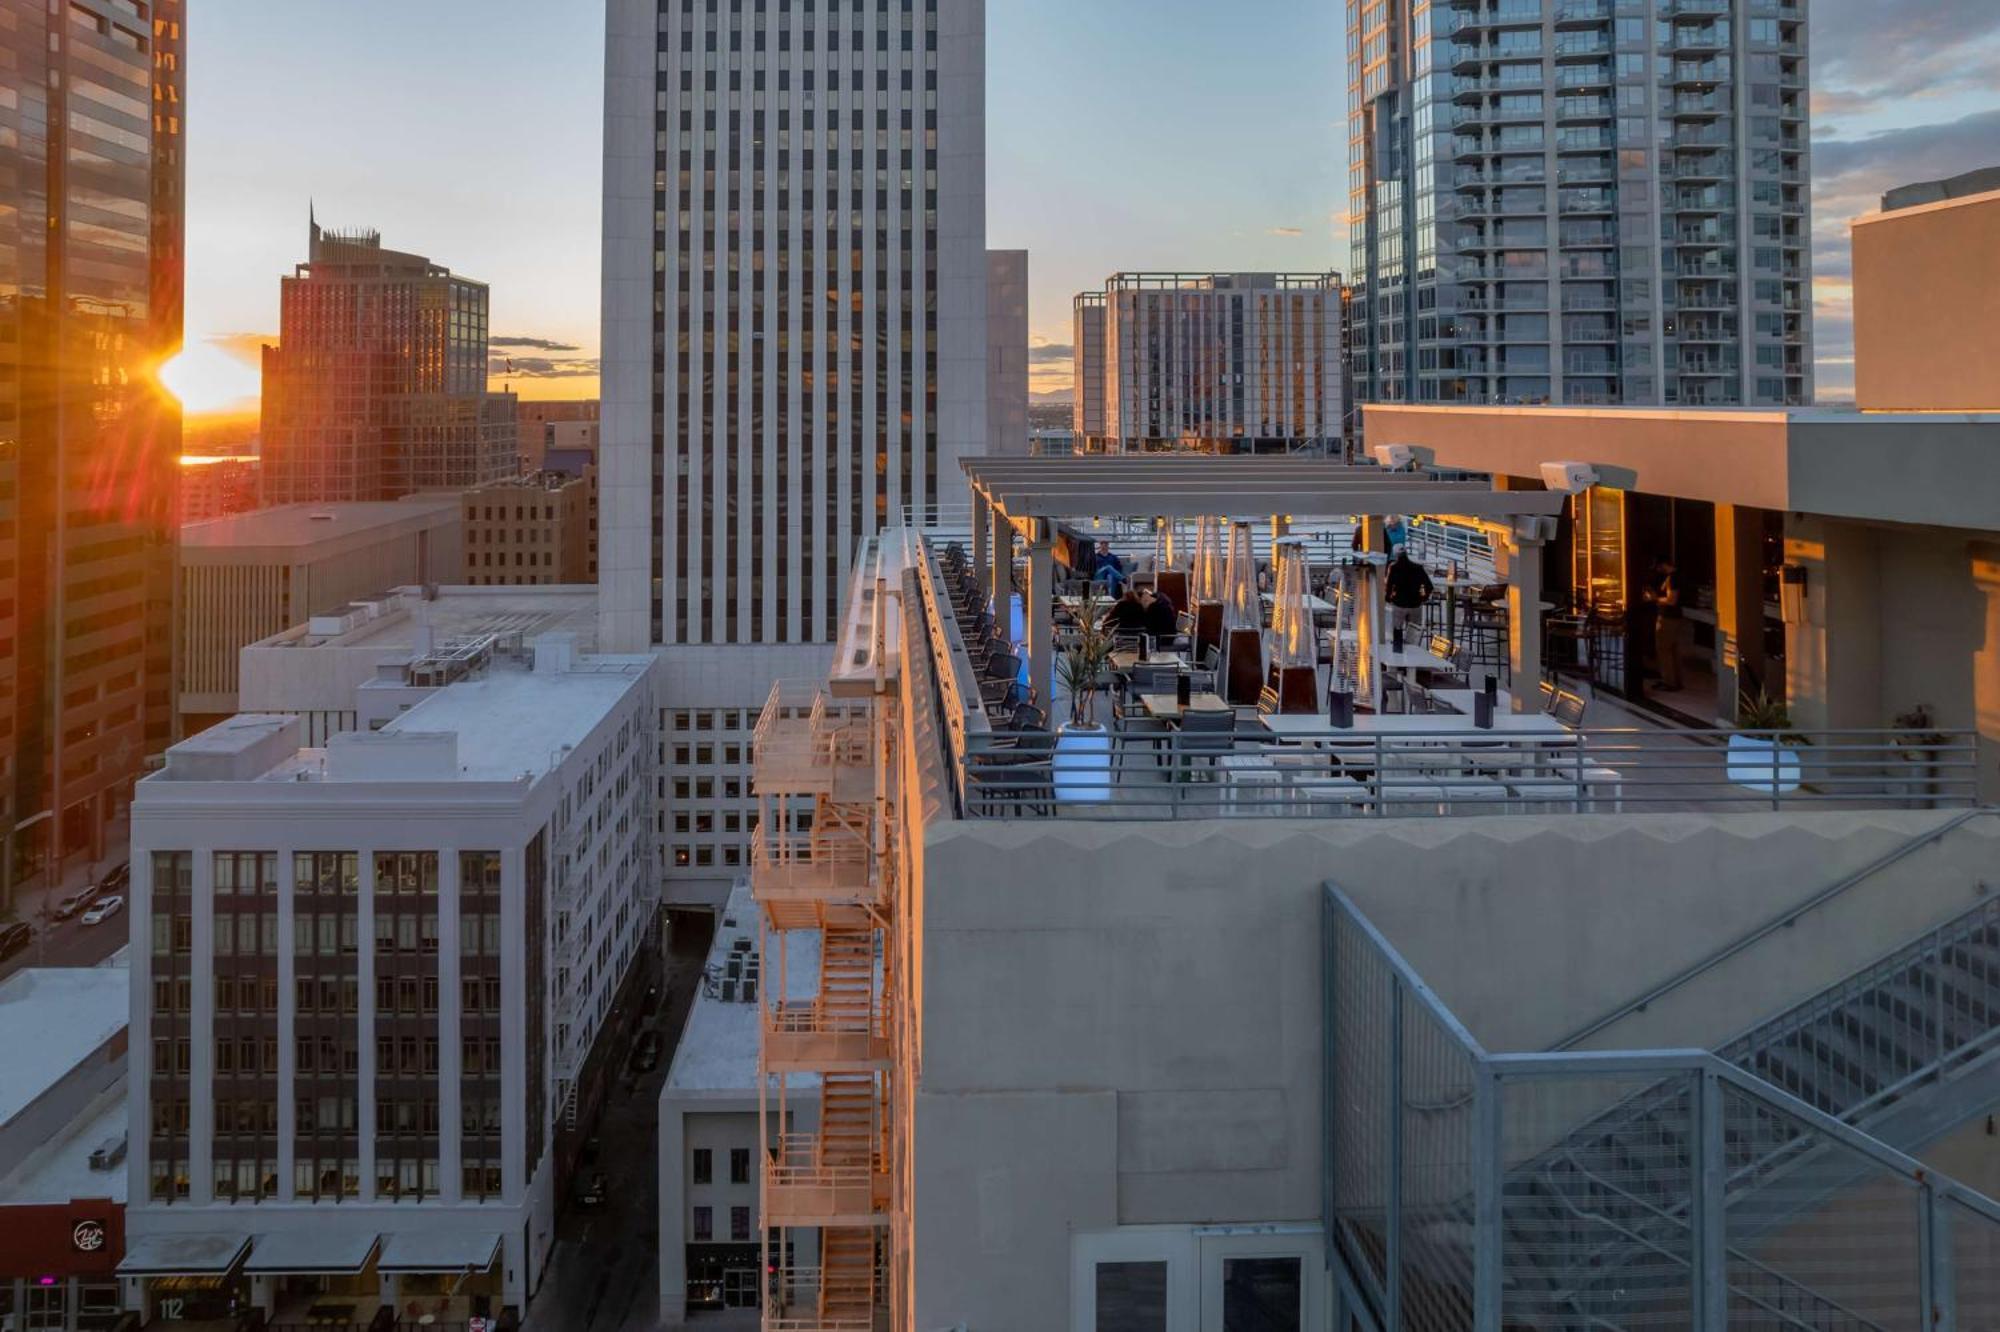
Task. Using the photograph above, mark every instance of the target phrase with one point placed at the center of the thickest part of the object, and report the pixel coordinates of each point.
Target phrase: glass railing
(1612, 1190)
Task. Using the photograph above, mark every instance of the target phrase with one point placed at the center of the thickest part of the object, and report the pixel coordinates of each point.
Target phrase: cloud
(539, 344)
(1851, 175)
(1868, 55)
(1285, 231)
(540, 367)
(1051, 352)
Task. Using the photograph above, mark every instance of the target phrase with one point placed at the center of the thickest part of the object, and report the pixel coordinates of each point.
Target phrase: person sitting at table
(1407, 589)
(1163, 618)
(1109, 569)
(1127, 614)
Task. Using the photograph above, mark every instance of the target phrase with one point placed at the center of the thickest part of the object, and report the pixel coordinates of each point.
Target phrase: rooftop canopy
(1179, 485)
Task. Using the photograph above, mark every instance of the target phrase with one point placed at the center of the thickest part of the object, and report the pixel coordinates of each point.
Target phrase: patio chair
(1204, 733)
(1568, 708)
(1019, 780)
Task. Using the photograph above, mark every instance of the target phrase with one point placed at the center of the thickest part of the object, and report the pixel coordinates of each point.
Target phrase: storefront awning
(438, 1251)
(182, 1255)
(314, 1250)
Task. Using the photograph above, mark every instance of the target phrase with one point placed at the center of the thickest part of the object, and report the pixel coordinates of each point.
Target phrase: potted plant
(1764, 763)
(1918, 740)
(1083, 746)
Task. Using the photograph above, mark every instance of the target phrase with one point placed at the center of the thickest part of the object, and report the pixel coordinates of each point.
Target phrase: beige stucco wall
(1175, 970)
(1927, 307)
(1726, 457)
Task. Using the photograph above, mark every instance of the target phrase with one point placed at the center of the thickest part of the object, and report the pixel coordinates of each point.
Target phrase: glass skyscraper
(1580, 201)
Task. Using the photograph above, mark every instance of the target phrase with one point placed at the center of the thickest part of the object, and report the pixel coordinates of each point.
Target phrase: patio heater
(1204, 602)
(1242, 621)
(1293, 656)
(1170, 553)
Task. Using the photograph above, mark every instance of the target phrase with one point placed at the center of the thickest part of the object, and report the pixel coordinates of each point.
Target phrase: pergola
(1028, 497)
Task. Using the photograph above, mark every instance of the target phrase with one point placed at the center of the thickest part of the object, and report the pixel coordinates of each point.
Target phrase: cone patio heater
(1242, 621)
(1170, 558)
(1205, 587)
(1294, 660)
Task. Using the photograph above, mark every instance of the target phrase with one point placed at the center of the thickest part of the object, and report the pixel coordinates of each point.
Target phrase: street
(604, 1273)
(66, 943)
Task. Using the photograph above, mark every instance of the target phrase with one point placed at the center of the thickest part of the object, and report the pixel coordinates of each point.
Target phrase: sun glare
(208, 379)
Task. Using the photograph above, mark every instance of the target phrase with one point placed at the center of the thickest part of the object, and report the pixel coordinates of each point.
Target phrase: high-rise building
(90, 304)
(795, 342)
(1213, 362)
(377, 387)
(1571, 201)
(542, 426)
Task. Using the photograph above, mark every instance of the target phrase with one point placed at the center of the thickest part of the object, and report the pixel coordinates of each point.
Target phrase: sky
(1121, 134)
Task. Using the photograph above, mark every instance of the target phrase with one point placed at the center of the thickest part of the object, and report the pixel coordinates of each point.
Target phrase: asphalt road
(70, 943)
(605, 1275)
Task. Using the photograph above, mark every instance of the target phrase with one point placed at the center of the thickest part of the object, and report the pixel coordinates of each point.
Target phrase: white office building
(369, 980)
(795, 343)
(1216, 362)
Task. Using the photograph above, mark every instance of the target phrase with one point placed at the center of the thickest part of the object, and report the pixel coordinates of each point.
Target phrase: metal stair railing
(1426, 1214)
(1783, 920)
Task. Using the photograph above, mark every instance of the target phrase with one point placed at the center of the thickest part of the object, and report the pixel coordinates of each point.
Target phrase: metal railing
(1623, 1189)
(1141, 769)
(794, 1301)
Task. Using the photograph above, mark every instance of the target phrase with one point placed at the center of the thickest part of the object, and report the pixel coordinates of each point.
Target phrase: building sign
(87, 1236)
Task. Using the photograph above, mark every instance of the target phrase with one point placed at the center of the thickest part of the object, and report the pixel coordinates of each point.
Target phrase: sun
(208, 379)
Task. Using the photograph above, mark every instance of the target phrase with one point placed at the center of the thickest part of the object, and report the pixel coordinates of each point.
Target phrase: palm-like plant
(1085, 662)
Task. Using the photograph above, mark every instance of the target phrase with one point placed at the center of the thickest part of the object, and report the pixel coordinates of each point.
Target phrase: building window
(704, 1165)
(739, 1223)
(739, 1165)
(704, 1223)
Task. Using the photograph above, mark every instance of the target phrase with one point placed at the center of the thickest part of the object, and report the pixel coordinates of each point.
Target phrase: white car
(104, 908)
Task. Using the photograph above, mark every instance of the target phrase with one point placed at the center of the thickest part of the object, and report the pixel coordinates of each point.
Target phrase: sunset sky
(1120, 134)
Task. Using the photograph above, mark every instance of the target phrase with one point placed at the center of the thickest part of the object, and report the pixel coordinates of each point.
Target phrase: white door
(1262, 1279)
(1199, 1279)
(1140, 1279)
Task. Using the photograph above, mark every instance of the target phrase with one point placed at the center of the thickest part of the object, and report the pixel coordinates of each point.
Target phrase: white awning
(182, 1255)
(315, 1249)
(439, 1251)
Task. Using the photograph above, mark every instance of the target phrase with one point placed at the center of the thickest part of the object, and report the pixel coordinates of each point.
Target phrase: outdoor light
(1393, 456)
(1570, 478)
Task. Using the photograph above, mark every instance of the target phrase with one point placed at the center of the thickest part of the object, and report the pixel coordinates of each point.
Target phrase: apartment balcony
(1700, 106)
(1583, 76)
(809, 744)
(1690, 37)
(1586, 201)
(1697, 74)
(1589, 300)
(1570, 12)
(1580, 45)
(802, 1187)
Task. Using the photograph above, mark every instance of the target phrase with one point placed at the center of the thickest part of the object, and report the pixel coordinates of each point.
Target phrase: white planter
(1082, 764)
(1764, 766)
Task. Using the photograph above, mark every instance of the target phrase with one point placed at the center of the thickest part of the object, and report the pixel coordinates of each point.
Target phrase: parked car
(116, 880)
(646, 1054)
(103, 909)
(74, 903)
(14, 937)
(590, 1189)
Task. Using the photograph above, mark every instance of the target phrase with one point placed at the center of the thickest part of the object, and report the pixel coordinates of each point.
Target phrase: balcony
(809, 744)
(801, 1188)
(804, 880)
(804, 1036)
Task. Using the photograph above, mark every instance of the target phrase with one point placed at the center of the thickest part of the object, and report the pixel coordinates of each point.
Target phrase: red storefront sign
(82, 1238)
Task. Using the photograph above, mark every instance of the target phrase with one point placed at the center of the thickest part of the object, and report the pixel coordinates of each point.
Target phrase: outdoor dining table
(1460, 700)
(1166, 707)
(1126, 660)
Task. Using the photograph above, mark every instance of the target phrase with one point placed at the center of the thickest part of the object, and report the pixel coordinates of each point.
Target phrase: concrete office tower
(794, 337)
(1007, 352)
(369, 982)
(90, 303)
(1214, 362)
(1549, 202)
(377, 386)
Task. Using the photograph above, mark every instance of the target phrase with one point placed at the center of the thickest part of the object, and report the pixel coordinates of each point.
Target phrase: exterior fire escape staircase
(821, 875)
